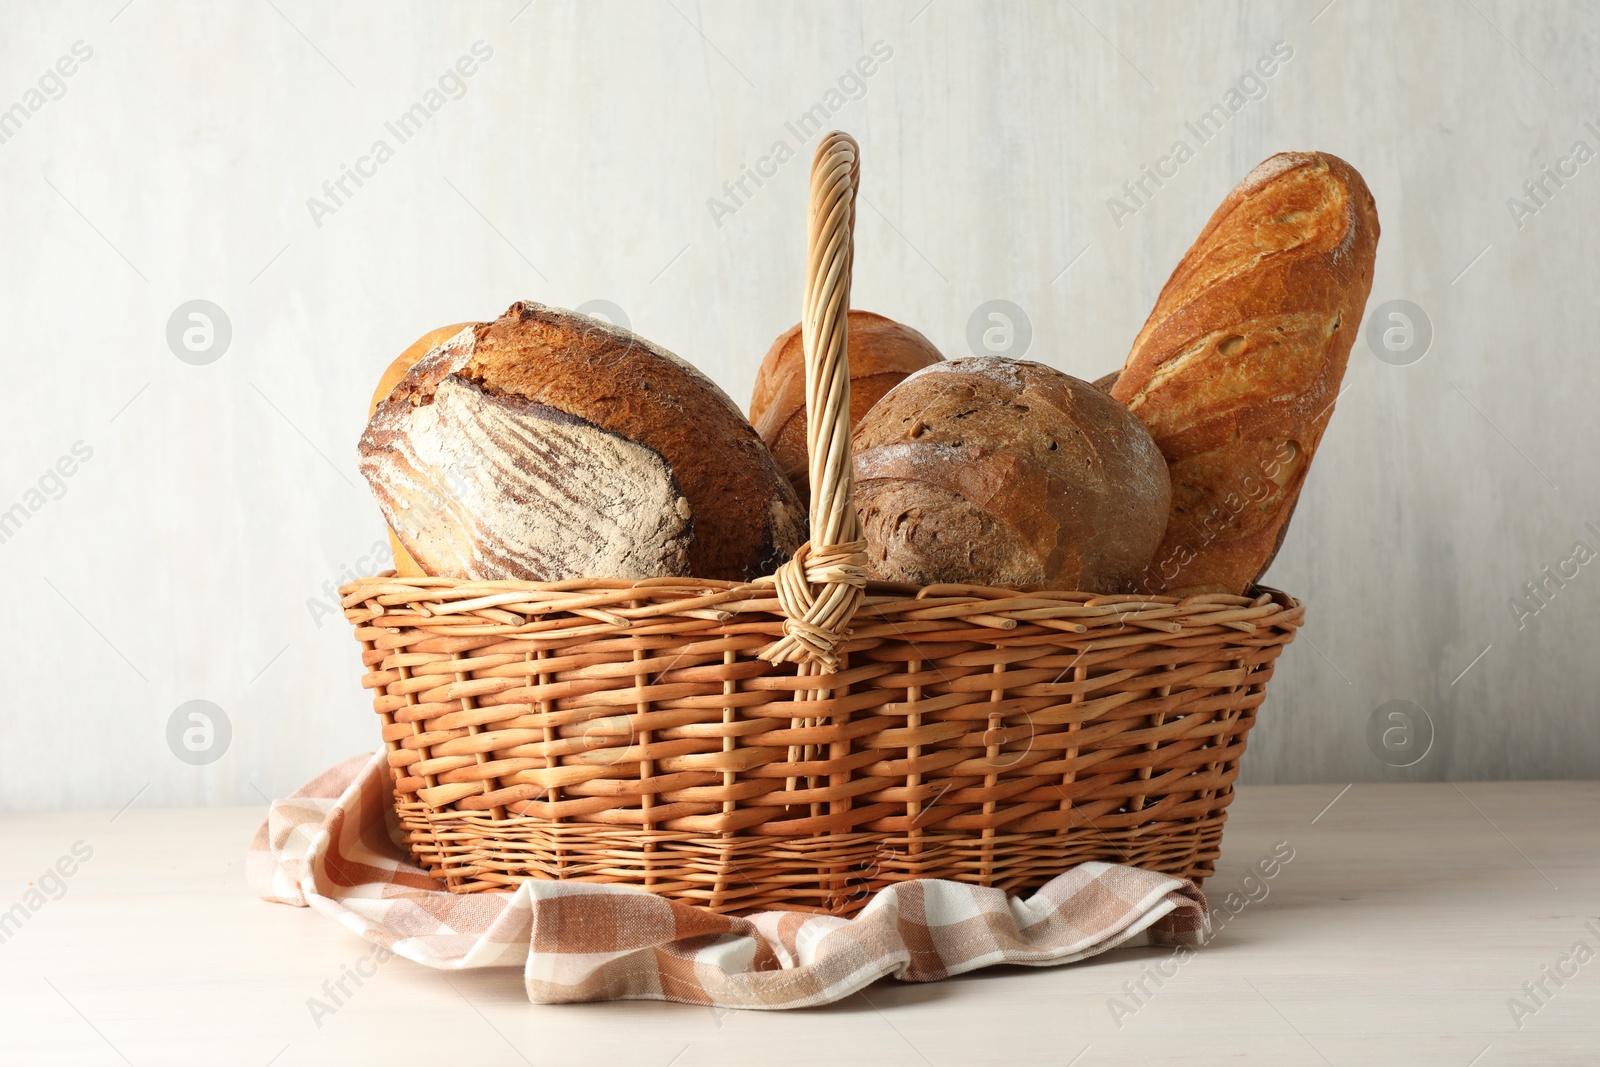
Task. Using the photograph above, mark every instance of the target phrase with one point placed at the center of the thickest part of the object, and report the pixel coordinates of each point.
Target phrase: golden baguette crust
(882, 354)
(1237, 369)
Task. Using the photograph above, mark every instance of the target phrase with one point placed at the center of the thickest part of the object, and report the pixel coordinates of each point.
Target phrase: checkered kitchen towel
(329, 847)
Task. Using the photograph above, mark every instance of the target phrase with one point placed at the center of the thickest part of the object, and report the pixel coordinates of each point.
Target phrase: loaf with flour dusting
(1238, 367)
(1004, 472)
(404, 565)
(549, 445)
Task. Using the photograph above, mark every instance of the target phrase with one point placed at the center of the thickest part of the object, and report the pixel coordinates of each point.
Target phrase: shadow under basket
(626, 732)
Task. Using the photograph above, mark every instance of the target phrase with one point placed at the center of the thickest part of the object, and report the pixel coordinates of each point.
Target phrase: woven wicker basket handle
(821, 588)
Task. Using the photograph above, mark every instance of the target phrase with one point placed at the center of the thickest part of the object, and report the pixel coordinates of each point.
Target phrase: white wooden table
(1401, 932)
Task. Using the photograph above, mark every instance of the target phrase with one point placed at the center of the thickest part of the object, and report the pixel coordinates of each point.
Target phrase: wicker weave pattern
(629, 732)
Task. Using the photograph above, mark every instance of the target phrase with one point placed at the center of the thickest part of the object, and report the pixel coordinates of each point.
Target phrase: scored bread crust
(882, 353)
(745, 517)
(1006, 472)
(1236, 371)
(494, 487)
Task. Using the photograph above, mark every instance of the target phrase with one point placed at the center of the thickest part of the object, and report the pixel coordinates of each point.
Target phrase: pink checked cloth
(331, 846)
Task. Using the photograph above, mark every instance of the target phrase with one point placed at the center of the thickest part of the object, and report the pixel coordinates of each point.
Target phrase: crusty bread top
(881, 351)
(1057, 464)
(402, 363)
(1291, 250)
(1238, 366)
(746, 517)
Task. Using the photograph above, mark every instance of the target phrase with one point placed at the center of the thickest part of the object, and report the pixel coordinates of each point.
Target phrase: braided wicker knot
(819, 591)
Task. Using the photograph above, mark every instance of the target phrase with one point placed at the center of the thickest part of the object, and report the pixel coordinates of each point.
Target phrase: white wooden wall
(183, 558)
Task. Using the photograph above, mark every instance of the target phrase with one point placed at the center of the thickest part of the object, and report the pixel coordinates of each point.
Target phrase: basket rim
(387, 600)
(360, 589)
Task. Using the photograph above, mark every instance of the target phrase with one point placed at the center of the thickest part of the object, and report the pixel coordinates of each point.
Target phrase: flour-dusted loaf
(549, 445)
(404, 565)
(882, 353)
(995, 471)
(1237, 369)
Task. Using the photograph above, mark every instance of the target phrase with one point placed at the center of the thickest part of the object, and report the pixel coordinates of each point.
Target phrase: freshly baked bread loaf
(404, 565)
(548, 445)
(1107, 382)
(995, 471)
(1237, 369)
(882, 353)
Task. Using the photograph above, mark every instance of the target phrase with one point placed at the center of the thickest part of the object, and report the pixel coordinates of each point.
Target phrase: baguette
(1237, 369)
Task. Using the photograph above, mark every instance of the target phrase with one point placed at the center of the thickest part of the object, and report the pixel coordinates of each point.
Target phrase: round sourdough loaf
(404, 565)
(549, 445)
(882, 353)
(995, 471)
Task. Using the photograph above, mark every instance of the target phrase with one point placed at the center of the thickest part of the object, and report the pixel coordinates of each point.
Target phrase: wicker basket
(807, 739)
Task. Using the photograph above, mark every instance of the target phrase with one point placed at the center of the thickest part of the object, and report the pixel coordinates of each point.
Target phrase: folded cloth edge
(328, 847)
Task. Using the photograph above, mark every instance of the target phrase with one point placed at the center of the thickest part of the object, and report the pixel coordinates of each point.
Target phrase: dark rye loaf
(548, 445)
